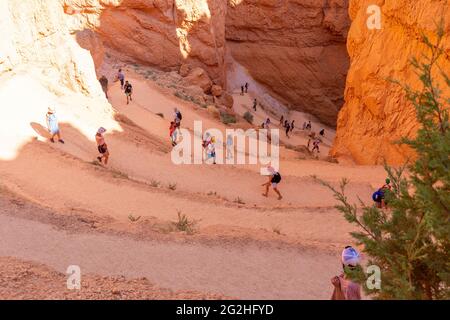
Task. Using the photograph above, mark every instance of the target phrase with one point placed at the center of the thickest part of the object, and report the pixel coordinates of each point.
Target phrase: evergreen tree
(410, 241)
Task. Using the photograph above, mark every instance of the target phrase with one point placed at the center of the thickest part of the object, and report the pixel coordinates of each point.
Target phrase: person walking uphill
(344, 288)
(128, 91)
(121, 78)
(102, 146)
(53, 126)
(173, 133)
(274, 180)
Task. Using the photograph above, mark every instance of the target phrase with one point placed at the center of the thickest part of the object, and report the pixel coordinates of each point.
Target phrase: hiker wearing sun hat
(53, 126)
(102, 146)
(274, 180)
(344, 288)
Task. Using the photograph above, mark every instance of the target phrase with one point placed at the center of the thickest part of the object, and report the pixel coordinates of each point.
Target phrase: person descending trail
(322, 132)
(316, 144)
(282, 122)
(128, 91)
(287, 129)
(292, 125)
(242, 90)
(311, 137)
(121, 78)
(246, 87)
(304, 126)
(211, 150)
(379, 196)
(104, 83)
(274, 180)
(53, 126)
(255, 104)
(177, 117)
(267, 124)
(309, 125)
(230, 146)
(173, 133)
(343, 287)
(205, 144)
(102, 146)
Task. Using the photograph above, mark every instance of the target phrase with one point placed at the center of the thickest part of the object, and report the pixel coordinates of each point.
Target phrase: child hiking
(274, 180)
(102, 146)
(53, 126)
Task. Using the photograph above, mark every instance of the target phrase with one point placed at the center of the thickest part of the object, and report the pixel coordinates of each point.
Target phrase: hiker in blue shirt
(52, 125)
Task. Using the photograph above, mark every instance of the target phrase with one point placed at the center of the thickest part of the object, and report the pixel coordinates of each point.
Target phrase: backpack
(276, 178)
(179, 116)
(377, 196)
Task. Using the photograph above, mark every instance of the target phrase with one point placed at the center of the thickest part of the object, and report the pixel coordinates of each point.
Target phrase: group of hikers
(208, 142)
(125, 85)
(244, 88)
(313, 138)
(55, 132)
(287, 125)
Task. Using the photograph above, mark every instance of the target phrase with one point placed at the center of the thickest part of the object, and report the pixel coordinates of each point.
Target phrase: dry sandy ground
(32, 281)
(245, 245)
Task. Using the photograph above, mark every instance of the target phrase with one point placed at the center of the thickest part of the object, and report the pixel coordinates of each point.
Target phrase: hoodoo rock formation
(296, 49)
(376, 112)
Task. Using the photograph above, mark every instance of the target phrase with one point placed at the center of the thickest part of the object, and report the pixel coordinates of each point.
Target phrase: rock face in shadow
(376, 112)
(296, 49)
(164, 33)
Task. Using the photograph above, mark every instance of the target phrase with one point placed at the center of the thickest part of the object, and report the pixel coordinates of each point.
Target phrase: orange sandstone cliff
(376, 112)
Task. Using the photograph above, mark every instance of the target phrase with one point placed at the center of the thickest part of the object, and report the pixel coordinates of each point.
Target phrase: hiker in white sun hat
(102, 146)
(53, 126)
(274, 180)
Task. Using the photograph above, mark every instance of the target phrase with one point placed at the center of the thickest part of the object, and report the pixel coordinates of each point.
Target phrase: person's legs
(267, 190)
(106, 157)
(278, 193)
(128, 99)
(58, 135)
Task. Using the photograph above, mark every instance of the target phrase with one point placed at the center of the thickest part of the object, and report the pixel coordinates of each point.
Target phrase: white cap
(350, 257)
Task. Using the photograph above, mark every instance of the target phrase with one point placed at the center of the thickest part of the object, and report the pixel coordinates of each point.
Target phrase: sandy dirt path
(245, 272)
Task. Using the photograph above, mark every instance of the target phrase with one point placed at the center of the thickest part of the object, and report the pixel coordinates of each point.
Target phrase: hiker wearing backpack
(379, 196)
(102, 146)
(173, 133)
(177, 116)
(274, 180)
(128, 91)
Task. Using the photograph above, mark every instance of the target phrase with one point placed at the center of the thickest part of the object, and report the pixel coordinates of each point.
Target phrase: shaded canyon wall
(295, 48)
